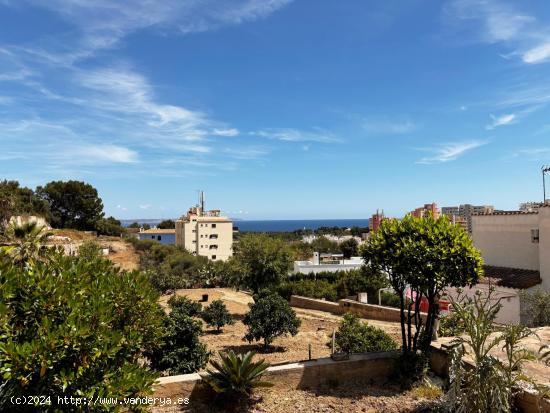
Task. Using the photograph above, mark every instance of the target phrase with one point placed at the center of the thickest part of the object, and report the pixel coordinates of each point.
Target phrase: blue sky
(278, 109)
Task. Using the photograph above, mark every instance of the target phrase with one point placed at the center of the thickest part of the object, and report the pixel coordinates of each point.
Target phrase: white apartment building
(205, 233)
(327, 263)
(515, 246)
(463, 214)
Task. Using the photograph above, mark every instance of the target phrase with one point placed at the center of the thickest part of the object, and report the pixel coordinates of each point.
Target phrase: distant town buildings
(327, 262)
(530, 206)
(308, 239)
(164, 236)
(423, 211)
(463, 214)
(376, 220)
(205, 233)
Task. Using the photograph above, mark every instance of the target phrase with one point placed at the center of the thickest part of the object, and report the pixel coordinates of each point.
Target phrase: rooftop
(159, 231)
(511, 277)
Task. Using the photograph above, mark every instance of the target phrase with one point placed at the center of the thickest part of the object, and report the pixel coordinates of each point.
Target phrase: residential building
(515, 246)
(327, 262)
(465, 212)
(530, 206)
(164, 236)
(205, 233)
(425, 210)
(376, 220)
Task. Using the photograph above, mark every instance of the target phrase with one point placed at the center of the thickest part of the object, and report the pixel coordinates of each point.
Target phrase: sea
(279, 225)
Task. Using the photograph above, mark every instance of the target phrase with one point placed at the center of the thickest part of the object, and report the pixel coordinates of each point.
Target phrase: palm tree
(27, 242)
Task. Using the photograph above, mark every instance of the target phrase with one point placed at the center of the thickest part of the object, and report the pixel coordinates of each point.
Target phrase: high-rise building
(205, 233)
(376, 220)
(425, 210)
(465, 212)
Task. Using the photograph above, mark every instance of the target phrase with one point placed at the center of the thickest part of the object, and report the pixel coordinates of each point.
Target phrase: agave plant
(236, 374)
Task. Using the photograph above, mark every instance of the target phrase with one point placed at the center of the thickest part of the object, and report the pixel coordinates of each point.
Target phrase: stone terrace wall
(369, 311)
(311, 374)
(314, 304)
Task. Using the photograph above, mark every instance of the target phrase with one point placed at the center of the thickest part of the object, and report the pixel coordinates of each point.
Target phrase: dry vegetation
(316, 329)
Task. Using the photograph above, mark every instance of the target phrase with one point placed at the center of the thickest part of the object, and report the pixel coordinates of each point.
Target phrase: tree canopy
(167, 224)
(263, 261)
(73, 204)
(427, 255)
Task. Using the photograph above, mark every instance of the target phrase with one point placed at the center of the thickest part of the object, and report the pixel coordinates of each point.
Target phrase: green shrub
(308, 288)
(90, 250)
(389, 299)
(236, 374)
(71, 327)
(216, 315)
(182, 352)
(537, 307)
(487, 383)
(269, 317)
(450, 325)
(354, 336)
(184, 305)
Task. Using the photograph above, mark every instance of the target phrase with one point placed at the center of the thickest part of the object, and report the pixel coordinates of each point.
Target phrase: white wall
(505, 240)
(544, 246)
(510, 311)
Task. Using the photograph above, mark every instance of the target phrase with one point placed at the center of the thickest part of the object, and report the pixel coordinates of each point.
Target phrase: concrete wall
(368, 311)
(510, 313)
(311, 374)
(505, 240)
(168, 239)
(302, 375)
(314, 304)
(544, 246)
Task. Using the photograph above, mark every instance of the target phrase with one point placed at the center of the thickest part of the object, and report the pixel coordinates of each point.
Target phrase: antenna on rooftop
(544, 169)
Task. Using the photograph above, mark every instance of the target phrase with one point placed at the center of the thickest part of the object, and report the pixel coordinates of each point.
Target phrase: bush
(389, 299)
(308, 288)
(236, 374)
(269, 317)
(74, 327)
(537, 307)
(216, 315)
(90, 251)
(181, 352)
(354, 336)
(487, 383)
(110, 226)
(450, 325)
(184, 305)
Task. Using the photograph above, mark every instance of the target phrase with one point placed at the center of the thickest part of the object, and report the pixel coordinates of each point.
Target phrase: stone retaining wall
(369, 311)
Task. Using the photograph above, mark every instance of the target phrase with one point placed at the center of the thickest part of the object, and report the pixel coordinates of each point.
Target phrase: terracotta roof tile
(511, 277)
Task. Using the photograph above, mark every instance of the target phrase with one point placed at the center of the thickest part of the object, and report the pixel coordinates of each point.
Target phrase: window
(213, 257)
(152, 237)
(535, 236)
(213, 247)
(158, 238)
(213, 225)
(213, 236)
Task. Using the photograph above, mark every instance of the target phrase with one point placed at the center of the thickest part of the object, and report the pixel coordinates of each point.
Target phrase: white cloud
(246, 153)
(225, 132)
(537, 54)
(450, 151)
(297, 135)
(121, 208)
(109, 153)
(387, 126)
(501, 22)
(145, 206)
(501, 121)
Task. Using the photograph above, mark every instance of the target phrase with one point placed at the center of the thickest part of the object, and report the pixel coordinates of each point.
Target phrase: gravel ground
(349, 397)
(316, 329)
